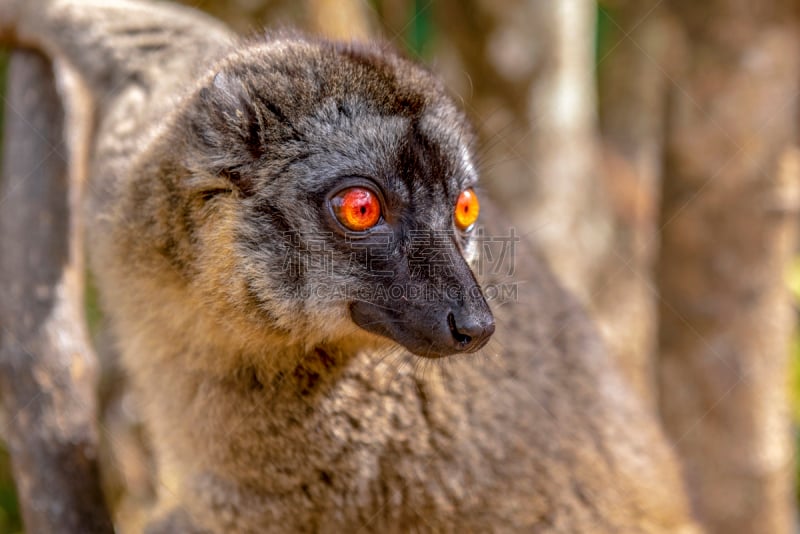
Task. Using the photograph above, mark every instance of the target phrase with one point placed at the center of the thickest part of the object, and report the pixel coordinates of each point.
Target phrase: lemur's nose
(470, 333)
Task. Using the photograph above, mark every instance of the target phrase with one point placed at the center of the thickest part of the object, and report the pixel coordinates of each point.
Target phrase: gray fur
(273, 413)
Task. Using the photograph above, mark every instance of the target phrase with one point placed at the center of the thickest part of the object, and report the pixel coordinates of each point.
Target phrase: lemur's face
(359, 201)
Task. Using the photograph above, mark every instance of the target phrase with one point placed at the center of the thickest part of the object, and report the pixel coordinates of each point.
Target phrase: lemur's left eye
(467, 209)
(357, 208)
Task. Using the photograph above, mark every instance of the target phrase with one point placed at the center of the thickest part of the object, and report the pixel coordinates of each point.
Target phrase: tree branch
(47, 369)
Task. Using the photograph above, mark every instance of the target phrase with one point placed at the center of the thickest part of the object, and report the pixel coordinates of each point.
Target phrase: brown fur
(271, 413)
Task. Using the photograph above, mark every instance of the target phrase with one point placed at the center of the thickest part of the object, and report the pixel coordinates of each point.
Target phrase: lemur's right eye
(357, 208)
(467, 209)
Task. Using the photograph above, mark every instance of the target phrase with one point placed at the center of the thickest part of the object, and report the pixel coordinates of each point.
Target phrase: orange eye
(467, 209)
(357, 208)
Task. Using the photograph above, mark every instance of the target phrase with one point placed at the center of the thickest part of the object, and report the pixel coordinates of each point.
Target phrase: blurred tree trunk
(530, 91)
(567, 207)
(634, 61)
(47, 368)
(729, 197)
(335, 19)
(340, 19)
(250, 17)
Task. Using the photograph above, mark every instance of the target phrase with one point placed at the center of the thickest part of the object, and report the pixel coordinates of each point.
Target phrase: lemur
(284, 233)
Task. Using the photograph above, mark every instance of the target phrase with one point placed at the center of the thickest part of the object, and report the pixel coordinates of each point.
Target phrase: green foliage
(10, 520)
(420, 29)
(794, 368)
(3, 69)
(91, 305)
(794, 374)
(604, 31)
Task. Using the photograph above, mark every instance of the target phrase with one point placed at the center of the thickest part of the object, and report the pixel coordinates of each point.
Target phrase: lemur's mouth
(430, 333)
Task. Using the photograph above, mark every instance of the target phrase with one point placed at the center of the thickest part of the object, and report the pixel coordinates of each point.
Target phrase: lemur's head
(342, 177)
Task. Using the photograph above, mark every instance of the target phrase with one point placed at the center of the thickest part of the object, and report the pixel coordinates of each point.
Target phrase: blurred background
(650, 148)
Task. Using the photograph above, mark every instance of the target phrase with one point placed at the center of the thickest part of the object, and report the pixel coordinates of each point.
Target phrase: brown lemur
(254, 206)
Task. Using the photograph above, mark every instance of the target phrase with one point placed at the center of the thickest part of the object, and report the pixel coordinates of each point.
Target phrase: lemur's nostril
(469, 334)
(460, 337)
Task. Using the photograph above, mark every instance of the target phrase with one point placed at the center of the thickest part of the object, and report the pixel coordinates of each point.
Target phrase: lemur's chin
(430, 333)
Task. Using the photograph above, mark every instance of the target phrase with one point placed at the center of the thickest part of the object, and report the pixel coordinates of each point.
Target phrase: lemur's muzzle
(431, 312)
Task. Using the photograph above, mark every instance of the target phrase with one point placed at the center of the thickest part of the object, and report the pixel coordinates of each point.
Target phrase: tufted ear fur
(229, 130)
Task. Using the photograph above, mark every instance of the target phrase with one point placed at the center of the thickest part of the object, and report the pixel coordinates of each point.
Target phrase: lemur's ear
(229, 129)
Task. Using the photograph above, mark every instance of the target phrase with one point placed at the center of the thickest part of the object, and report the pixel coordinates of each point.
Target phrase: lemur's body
(270, 412)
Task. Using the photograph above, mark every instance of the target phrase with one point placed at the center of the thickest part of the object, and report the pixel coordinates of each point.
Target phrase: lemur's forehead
(364, 111)
(430, 151)
(354, 140)
(446, 126)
